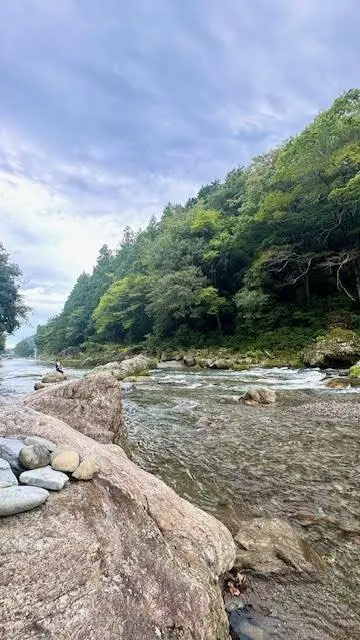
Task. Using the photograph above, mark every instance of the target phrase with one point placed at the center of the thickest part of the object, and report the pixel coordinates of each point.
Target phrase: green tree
(25, 348)
(121, 314)
(12, 307)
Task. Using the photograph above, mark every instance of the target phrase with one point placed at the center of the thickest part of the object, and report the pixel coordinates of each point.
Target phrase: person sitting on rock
(58, 367)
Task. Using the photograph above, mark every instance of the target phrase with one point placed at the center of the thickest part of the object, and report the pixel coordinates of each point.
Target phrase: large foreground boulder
(91, 405)
(135, 366)
(338, 348)
(120, 558)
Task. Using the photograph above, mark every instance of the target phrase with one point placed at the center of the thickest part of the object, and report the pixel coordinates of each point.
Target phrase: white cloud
(54, 234)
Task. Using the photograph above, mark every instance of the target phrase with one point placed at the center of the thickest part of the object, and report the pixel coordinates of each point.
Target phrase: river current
(297, 460)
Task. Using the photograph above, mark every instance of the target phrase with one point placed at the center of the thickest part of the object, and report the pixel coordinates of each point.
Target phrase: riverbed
(297, 460)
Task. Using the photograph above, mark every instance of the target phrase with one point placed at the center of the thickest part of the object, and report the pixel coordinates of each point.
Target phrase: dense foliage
(25, 348)
(276, 245)
(12, 308)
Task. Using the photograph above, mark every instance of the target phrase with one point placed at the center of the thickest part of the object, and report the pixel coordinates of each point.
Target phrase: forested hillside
(275, 246)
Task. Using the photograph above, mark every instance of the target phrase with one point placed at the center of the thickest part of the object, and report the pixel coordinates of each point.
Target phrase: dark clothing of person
(58, 367)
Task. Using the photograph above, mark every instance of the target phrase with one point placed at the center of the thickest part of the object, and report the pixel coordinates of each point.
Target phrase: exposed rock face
(189, 360)
(130, 367)
(54, 376)
(271, 546)
(91, 405)
(129, 558)
(338, 348)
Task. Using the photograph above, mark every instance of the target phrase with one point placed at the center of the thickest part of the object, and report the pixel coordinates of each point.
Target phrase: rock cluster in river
(31, 467)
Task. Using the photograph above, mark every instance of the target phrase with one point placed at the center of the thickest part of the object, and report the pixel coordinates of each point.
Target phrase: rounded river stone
(7, 478)
(34, 456)
(9, 450)
(46, 478)
(67, 460)
(18, 499)
(30, 440)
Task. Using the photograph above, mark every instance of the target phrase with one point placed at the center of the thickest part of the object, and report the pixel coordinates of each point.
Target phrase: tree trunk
(218, 323)
(356, 264)
(307, 289)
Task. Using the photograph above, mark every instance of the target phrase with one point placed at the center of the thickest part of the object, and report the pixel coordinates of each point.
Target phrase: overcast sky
(108, 110)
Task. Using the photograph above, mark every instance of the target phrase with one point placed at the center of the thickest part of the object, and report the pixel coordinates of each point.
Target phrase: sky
(109, 110)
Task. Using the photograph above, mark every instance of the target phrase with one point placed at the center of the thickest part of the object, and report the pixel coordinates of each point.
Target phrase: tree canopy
(276, 244)
(12, 308)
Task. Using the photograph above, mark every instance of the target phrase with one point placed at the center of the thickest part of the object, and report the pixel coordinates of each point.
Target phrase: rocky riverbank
(283, 459)
(337, 348)
(133, 559)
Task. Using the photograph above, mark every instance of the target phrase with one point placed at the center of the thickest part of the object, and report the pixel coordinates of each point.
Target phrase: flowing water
(297, 460)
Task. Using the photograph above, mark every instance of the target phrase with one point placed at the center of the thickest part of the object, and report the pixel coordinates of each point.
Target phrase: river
(297, 460)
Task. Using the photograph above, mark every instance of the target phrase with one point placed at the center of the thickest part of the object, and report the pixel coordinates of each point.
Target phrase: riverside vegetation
(261, 263)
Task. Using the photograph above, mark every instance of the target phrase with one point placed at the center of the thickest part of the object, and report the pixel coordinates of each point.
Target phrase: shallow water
(299, 459)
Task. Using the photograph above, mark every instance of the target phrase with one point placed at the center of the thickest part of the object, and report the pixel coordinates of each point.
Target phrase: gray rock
(245, 626)
(270, 546)
(39, 385)
(46, 478)
(9, 450)
(34, 456)
(7, 478)
(55, 376)
(259, 395)
(18, 499)
(50, 446)
(127, 386)
(189, 360)
(203, 421)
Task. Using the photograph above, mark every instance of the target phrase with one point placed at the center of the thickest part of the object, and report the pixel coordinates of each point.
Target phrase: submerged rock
(338, 348)
(16, 500)
(7, 477)
(91, 405)
(203, 421)
(337, 383)
(34, 456)
(121, 557)
(247, 624)
(46, 478)
(271, 546)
